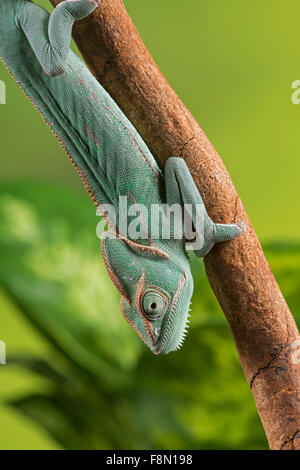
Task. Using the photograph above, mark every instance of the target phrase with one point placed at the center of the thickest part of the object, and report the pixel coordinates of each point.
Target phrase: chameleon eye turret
(154, 305)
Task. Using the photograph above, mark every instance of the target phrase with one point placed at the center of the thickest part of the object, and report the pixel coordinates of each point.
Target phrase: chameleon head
(156, 291)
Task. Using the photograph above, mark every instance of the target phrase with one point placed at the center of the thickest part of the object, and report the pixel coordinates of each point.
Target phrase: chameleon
(153, 276)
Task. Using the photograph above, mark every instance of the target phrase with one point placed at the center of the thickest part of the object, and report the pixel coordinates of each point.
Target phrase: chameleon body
(154, 277)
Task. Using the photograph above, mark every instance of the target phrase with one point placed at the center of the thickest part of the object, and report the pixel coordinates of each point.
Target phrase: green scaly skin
(154, 278)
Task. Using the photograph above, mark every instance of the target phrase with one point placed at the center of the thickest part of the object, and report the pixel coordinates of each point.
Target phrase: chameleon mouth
(174, 331)
(124, 302)
(160, 347)
(165, 342)
(168, 333)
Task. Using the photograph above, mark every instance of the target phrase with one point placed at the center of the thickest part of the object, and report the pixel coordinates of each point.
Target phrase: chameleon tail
(52, 47)
(78, 9)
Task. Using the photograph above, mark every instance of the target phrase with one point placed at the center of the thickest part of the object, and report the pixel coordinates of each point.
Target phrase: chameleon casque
(153, 277)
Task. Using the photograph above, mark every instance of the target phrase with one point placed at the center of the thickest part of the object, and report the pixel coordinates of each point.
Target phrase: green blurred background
(77, 377)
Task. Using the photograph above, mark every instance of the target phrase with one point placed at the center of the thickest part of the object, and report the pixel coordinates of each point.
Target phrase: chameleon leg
(50, 37)
(181, 188)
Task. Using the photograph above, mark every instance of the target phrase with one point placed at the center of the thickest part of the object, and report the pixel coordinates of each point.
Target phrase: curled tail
(50, 39)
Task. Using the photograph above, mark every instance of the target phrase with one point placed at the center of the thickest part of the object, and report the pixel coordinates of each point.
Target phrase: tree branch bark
(262, 325)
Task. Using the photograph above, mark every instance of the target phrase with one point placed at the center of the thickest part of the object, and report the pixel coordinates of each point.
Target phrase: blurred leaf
(38, 366)
(284, 259)
(51, 269)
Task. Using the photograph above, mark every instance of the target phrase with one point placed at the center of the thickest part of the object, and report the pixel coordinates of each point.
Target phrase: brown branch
(262, 325)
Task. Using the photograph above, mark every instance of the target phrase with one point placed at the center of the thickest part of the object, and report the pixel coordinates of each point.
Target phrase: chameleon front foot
(220, 233)
(181, 188)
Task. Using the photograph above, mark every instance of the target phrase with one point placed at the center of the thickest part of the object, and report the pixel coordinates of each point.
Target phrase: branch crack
(184, 145)
(235, 209)
(268, 365)
(291, 439)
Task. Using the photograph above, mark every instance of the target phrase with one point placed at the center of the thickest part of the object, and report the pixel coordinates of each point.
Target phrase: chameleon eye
(154, 305)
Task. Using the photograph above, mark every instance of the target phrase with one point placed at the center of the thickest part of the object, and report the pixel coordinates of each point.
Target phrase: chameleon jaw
(159, 349)
(150, 338)
(165, 343)
(156, 345)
